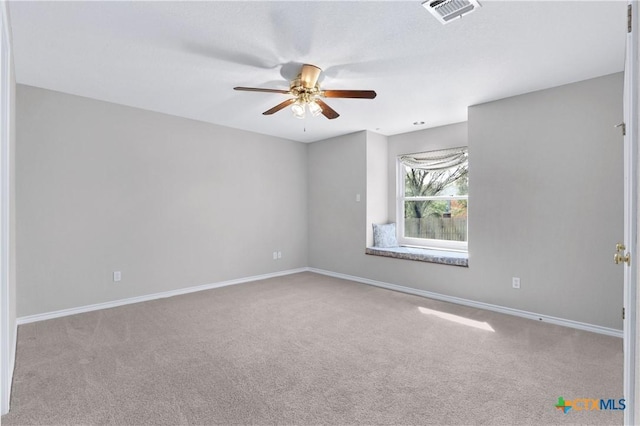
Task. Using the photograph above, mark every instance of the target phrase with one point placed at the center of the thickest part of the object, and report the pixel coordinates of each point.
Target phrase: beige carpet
(307, 349)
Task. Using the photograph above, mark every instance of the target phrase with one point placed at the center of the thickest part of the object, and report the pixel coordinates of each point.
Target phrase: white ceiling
(184, 58)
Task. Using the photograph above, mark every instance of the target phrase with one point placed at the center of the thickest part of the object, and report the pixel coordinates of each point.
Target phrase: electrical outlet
(275, 255)
(279, 255)
(515, 282)
(117, 276)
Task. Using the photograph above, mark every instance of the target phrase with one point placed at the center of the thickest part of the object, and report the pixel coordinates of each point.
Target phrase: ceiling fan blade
(256, 89)
(280, 106)
(327, 111)
(309, 76)
(361, 94)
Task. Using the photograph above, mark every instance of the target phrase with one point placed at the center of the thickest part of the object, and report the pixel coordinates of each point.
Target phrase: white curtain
(435, 160)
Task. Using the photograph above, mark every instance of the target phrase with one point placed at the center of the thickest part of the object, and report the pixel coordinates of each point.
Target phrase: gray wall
(377, 155)
(170, 202)
(337, 222)
(175, 203)
(545, 204)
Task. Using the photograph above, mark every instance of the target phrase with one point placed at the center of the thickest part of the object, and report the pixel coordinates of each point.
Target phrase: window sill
(422, 255)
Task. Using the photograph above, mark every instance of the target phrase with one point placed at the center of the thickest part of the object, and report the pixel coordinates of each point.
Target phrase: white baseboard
(88, 308)
(452, 299)
(474, 304)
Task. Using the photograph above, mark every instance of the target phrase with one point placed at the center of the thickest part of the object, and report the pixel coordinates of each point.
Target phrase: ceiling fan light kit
(306, 93)
(298, 109)
(446, 11)
(315, 109)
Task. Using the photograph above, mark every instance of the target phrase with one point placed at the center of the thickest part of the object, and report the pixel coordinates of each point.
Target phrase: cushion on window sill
(423, 255)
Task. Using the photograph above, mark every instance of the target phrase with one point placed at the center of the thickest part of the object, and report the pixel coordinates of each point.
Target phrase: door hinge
(622, 313)
(629, 19)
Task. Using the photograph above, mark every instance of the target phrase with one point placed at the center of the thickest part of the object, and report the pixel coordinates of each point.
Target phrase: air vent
(447, 10)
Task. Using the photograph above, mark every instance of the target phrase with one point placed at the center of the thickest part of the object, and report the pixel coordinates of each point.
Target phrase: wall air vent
(448, 10)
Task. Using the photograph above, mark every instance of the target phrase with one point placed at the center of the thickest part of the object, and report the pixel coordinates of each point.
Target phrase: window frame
(426, 243)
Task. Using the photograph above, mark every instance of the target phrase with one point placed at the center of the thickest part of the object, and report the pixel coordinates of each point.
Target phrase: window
(432, 199)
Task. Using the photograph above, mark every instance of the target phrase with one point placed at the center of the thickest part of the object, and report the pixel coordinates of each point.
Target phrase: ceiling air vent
(447, 10)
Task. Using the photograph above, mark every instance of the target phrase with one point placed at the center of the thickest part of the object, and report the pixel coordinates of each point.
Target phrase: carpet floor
(308, 349)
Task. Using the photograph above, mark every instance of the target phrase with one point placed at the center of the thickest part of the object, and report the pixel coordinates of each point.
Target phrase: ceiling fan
(306, 93)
